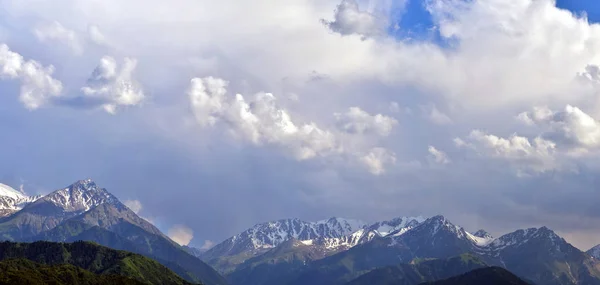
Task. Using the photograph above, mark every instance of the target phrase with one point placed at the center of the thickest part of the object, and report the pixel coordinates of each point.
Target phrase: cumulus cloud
(55, 31)
(349, 19)
(261, 121)
(113, 86)
(181, 234)
(570, 128)
(38, 87)
(438, 156)
(357, 121)
(537, 156)
(134, 205)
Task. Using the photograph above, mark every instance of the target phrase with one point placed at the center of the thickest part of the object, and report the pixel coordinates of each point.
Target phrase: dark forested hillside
(487, 276)
(420, 271)
(61, 261)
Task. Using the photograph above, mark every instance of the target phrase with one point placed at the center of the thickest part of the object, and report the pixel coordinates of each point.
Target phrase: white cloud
(55, 31)
(261, 121)
(181, 234)
(526, 156)
(134, 205)
(503, 54)
(349, 19)
(571, 128)
(508, 52)
(38, 87)
(113, 85)
(438, 156)
(357, 121)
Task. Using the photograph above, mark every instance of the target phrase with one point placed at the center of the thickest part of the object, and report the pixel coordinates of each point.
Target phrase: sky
(207, 117)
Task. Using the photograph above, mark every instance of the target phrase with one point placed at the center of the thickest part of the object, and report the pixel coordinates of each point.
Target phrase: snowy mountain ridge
(7, 191)
(12, 200)
(332, 234)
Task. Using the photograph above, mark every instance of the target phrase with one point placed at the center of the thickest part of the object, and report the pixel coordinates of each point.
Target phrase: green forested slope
(85, 259)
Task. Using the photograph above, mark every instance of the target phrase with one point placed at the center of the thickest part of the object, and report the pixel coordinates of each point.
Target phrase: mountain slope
(488, 276)
(93, 258)
(84, 211)
(12, 200)
(594, 252)
(542, 256)
(434, 238)
(23, 271)
(49, 211)
(71, 231)
(420, 271)
(277, 263)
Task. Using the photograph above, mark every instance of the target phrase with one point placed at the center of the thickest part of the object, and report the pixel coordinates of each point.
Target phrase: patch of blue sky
(590, 7)
(415, 23)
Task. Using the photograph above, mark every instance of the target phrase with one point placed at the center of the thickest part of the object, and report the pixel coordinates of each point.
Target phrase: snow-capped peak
(479, 239)
(395, 227)
(521, 237)
(440, 222)
(12, 200)
(7, 191)
(594, 252)
(483, 234)
(80, 196)
(339, 226)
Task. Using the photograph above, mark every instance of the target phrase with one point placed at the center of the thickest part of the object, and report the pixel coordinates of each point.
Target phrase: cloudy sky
(208, 117)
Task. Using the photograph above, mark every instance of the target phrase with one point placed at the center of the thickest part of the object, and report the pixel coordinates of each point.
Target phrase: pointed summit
(482, 234)
(80, 196)
(84, 185)
(594, 252)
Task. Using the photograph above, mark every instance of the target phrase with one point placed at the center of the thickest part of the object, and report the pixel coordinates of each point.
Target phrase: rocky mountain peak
(440, 223)
(80, 196)
(483, 234)
(595, 252)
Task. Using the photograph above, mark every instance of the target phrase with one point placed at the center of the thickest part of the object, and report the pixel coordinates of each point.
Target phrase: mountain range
(403, 250)
(84, 211)
(337, 251)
